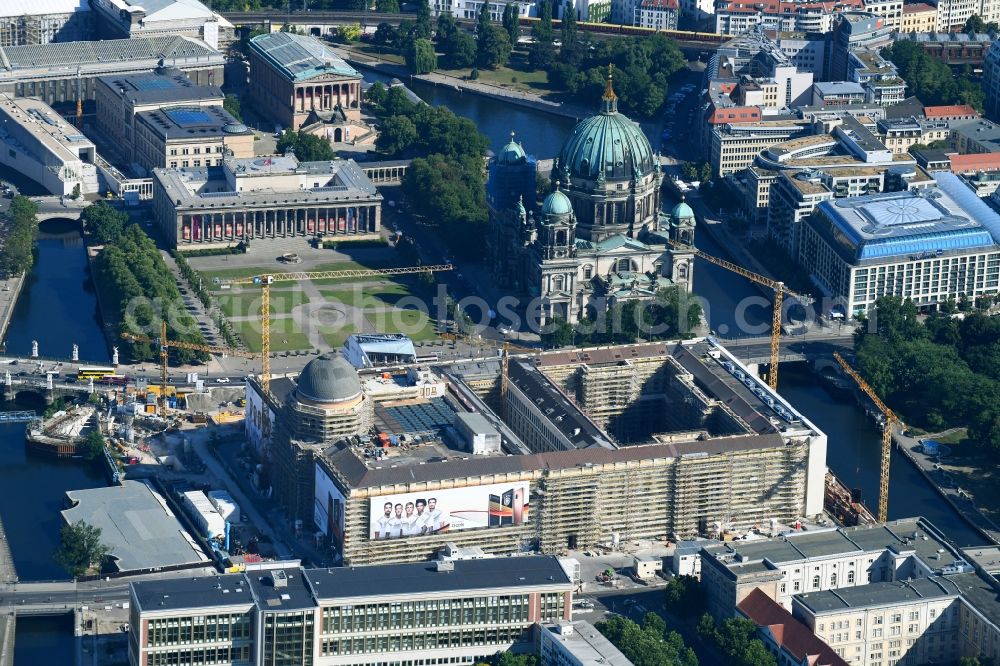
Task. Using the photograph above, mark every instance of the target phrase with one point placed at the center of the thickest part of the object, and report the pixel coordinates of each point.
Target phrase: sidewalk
(945, 484)
(10, 290)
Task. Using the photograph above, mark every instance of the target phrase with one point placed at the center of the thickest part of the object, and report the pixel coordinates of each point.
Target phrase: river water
(58, 308)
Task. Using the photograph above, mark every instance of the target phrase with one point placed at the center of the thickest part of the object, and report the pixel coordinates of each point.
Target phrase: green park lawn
(413, 323)
(246, 302)
(285, 335)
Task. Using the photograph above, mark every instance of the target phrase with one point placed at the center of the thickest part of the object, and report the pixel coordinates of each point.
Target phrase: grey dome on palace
(329, 378)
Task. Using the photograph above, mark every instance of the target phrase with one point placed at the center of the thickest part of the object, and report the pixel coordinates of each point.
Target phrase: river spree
(58, 306)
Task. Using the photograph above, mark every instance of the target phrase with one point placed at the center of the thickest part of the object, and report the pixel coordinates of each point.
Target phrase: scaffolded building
(600, 446)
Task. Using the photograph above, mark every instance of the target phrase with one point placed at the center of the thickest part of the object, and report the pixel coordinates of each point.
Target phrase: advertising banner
(449, 510)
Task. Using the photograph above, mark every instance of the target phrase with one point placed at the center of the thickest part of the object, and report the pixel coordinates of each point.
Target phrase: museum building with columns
(298, 81)
(261, 198)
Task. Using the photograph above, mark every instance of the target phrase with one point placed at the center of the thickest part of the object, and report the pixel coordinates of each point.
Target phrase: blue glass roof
(926, 223)
(187, 117)
(929, 243)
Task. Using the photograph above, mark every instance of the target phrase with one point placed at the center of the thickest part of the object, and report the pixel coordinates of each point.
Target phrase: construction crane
(265, 281)
(779, 294)
(165, 346)
(890, 421)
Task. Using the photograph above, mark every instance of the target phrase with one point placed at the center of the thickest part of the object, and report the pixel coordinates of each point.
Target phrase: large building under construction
(589, 447)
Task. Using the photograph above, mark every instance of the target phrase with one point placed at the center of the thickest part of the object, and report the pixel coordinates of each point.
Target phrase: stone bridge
(63, 208)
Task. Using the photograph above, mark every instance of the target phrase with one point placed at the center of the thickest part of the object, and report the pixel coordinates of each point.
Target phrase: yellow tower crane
(779, 294)
(266, 280)
(165, 346)
(890, 422)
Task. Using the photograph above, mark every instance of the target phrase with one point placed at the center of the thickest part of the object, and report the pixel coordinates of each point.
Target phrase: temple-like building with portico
(297, 81)
(599, 237)
(246, 200)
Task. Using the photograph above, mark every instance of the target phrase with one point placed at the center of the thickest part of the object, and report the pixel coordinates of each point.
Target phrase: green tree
(706, 627)
(558, 333)
(385, 35)
(568, 27)
(541, 55)
(683, 593)
(377, 93)
(105, 222)
(80, 548)
(348, 33)
(387, 6)
(460, 50)
(92, 446)
(422, 28)
(542, 30)
(647, 645)
(737, 638)
(307, 147)
(396, 135)
(76, 192)
(931, 79)
(511, 22)
(451, 192)
(420, 56)
(974, 24)
(21, 222)
(493, 48)
(231, 103)
(511, 659)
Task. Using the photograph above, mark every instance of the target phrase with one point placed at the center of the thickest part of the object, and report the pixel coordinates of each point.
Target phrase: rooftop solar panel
(159, 83)
(187, 117)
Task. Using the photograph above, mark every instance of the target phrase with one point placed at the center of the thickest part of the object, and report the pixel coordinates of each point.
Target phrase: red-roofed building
(951, 112)
(975, 162)
(785, 637)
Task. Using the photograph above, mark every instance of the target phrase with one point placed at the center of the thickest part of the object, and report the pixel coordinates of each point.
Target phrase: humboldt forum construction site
(548, 452)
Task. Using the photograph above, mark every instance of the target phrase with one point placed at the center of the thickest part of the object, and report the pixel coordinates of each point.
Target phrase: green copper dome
(512, 153)
(681, 211)
(609, 144)
(557, 203)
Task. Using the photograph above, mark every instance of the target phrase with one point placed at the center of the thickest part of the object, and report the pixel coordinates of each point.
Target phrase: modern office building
(252, 200)
(298, 82)
(688, 446)
(735, 146)
(457, 612)
(838, 93)
(929, 245)
(991, 81)
(41, 145)
(24, 22)
(62, 73)
(854, 31)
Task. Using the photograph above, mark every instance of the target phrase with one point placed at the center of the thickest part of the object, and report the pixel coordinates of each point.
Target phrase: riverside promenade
(10, 290)
(514, 96)
(7, 621)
